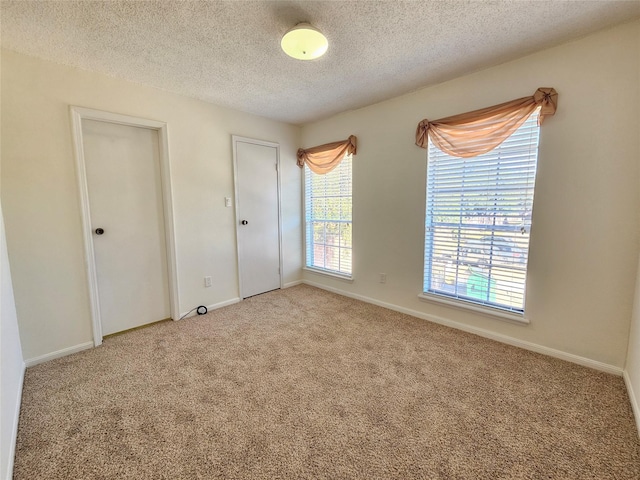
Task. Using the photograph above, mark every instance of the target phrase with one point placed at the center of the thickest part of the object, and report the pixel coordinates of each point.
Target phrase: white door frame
(77, 115)
(234, 140)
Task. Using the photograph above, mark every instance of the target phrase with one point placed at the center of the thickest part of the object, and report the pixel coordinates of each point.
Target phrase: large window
(478, 220)
(328, 219)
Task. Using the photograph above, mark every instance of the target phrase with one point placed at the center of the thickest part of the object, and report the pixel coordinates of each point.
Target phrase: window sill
(344, 278)
(488, 311)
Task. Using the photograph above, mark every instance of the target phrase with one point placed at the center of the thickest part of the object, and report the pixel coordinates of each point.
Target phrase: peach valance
(474, 133)
(324, 158)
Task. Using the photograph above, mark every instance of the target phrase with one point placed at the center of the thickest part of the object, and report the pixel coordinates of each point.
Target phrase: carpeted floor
(305, 384)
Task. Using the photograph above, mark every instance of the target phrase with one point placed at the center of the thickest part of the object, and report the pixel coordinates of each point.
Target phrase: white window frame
(307, 261)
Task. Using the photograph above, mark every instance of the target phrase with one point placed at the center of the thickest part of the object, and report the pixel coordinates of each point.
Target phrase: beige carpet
(304, 384)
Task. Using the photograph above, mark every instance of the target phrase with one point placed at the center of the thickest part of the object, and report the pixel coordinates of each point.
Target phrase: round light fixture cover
(304, 42)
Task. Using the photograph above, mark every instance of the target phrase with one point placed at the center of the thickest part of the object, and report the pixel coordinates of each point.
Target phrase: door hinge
(276, 167)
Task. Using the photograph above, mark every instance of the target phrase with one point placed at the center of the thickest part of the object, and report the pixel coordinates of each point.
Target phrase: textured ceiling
(228, 52)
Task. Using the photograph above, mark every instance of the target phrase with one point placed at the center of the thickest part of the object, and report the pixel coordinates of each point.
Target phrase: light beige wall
(632, 366)
(41, 203)
(584, 241)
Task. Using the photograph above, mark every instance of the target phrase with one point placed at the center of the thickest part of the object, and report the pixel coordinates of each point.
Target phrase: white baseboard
(14, 428)
(215, 306)
(60, 353)
(633, 399)
(293, 284)
(586, 362)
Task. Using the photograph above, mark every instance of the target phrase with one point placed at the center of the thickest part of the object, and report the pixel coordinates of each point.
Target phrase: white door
(125, 202)
(258, 216)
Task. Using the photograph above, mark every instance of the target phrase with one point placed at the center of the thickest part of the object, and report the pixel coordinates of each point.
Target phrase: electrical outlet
(383, 278)
(207, 281)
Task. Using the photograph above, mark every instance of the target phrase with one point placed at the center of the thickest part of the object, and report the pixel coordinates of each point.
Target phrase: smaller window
(328, 219)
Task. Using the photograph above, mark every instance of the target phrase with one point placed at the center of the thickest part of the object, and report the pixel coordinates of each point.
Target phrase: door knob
(99, 231)
(244, 222)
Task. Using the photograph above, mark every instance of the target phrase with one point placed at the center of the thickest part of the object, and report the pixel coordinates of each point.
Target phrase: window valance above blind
(324, 158)
(474, 133)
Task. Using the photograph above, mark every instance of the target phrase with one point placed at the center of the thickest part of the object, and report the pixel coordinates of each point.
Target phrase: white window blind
(478, 219)
(328, 219)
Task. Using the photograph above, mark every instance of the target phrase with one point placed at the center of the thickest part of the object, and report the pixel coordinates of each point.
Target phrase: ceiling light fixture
(304, 42)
